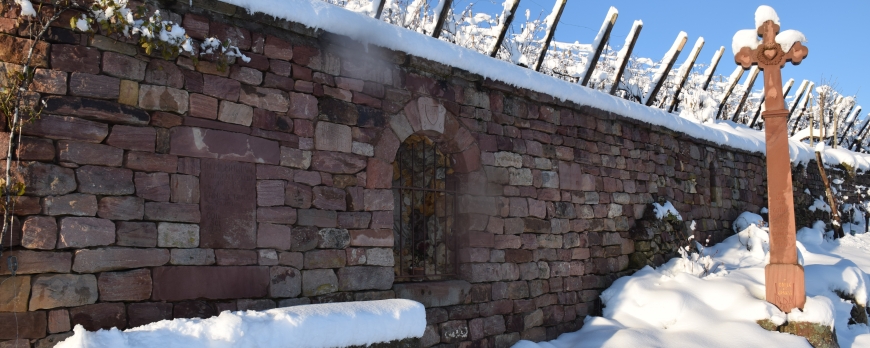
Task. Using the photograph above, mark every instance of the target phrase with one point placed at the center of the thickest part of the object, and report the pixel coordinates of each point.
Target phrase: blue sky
(838, 38)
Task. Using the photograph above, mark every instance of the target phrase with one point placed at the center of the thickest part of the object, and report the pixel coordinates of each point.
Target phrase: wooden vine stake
(835, 213)
(624, 54)
(552, 21)
(708, 74)
(602, 38)
(734, 78)
(797, 119)
(442, 15)
(667, 64)
(750, 81)
(683, 73)
(507, 17)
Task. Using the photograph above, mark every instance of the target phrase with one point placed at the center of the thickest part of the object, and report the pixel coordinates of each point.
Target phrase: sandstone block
(276, 48)
(265, 98)
(49, 81)
(235, 113)
(133, 138)
(374, 237)
(58, 321)
(88, 153)
(325, 259)
(63, 290)
(274, 236)
(14, 292)
(276, 215)
(175, 283)
(46, 179)
(39, 232)
(295, 158)
(172, 212)
(378, 199)
(72, 204)
(97, 110)
(163, 98)
(357, 278)
(380, 257)
(203, 106)
(64, 127)
(221, 88)
(82, 232)
(208, 143)
(332, 137)
(121, 208)
(151, 162)
(94, 86)
(223, 225)
(329, 198)
(74, 58)
(318, 282)
(302, 106)
(286, 282)
(175, 235)
(105, 181)
(125, 286)
(185, 189)
(30, 325)
(316, 217)
(270, 193)
(152, 186)
(109, 259)
(123, 66)
(165, 73)
(100, 316)
(148, 312)
(192, 257)
(235, 257)
(34, 262)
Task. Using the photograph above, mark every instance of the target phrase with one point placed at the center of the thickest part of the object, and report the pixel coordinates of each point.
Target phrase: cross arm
(746, 57)
(797, 53)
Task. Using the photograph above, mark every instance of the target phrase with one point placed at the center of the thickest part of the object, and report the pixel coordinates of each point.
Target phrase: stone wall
(161, 189)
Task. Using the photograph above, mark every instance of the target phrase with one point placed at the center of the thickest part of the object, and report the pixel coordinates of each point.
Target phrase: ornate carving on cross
(784, 277)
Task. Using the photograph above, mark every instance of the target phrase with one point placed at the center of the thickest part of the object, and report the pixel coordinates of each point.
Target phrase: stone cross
(784, 277)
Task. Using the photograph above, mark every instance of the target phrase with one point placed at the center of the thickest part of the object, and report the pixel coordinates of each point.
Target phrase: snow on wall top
(320, 15)
(321, 325)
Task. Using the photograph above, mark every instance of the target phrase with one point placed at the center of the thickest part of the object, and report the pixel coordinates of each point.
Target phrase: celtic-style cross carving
(784, 277)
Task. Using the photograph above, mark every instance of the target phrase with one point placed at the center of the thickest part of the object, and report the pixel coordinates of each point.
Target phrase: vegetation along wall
(324, 170)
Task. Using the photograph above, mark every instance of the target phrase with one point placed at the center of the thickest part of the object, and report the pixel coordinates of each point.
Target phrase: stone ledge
(435, 294)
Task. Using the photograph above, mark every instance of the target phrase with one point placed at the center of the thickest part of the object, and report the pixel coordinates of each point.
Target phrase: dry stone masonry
(161, 189)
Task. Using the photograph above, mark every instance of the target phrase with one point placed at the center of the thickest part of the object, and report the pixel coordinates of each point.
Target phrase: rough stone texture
(125, 286)
(87, 153)
(109, 259)
(100, 316)
(177, 283)
(39, 232)
(223, 225)
(365, 278)
(163, 99)
(332, 137)
(318, 282)
(136, 234)
(14, 292)
(105, 181)
(191, 257)
(235, 113)
(81, 232)
(58, 321)
(30, 325)
(274, 236)
(209, 143)
(148, 312)
(121, 208)
(435, 294)
(175, 235)
(286, 282)
(63, 290)
(35, 262)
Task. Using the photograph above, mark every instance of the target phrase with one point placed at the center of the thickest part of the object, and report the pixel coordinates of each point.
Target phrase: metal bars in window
(423, 218)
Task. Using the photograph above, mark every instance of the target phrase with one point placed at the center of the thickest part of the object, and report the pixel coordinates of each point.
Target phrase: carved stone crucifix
(784, 277)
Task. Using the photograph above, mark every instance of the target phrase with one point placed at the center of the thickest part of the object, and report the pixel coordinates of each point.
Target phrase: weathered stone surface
(197, 309)
(30, 148)
(295, 158)
(378, 200)
(88, 153)
(121, 208)
(270, 193)
(49, 81)
(316, 217)
(138, 234)
(94, 86)
(297, 195)
(105, 181)
(163, 98)
(192, 257)
(72, 204)
(223, 225)
(435, 294)
(82, 232)
(235, 113)
(63, 290)
(203, 106)
(177, 283)
(152, 186)
(123, 66)
(329, 198)
(97, 110)
(274, 236)
(221, 88)
(265, 98)
(110, 259)
(333, 238)
(337, 162)
(64, 127)
(175, 235)
(58, 321)
(151, 162)
(14, 292)
(45, 179)
(357, 278)
(129, 94)
(161, 72)
(325, 259)
(125, 286)
(380, 257)
(100, 316)
(286, 282)
(184, 188)
(332, 137)
(148, 312)
(318, 282)
(35, 262)
(209, 143)
(235, 257)
(375, 237)
(276, 215)
(30, 325)
(133, 138)
(39, 232)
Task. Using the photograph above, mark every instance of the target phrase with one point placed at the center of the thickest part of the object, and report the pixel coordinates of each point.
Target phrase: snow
(598, 37)
(664, 210)
(744, 38)
(820, 204)
(623, 52)
(714, 297)
(746, 219)
(320, 325)
(27, 9)
(320, 15)
(765, 13)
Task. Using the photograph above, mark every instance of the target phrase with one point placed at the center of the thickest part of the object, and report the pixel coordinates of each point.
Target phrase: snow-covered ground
(714, 300)
(320, 325)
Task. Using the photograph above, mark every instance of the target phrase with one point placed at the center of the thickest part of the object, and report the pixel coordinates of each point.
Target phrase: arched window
(425, 243)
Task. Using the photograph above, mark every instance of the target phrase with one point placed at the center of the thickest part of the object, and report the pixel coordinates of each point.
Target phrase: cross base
(785, 286)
